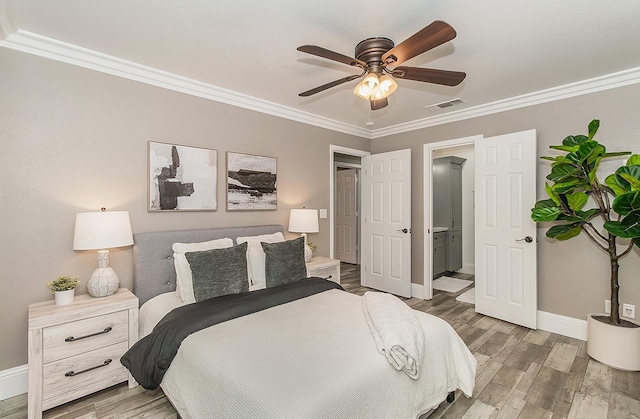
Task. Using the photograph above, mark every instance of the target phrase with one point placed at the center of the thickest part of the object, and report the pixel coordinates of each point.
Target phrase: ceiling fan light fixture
(368, 86)
(373, 87)
(386, 87)
(371, 80)
(374, 56)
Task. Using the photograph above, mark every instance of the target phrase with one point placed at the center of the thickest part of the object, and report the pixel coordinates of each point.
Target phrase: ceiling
(509, 49)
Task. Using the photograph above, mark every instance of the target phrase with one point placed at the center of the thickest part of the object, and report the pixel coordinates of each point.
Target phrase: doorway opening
(345, 198)
(347, 211)
(450, 249)
(464, 259)
(505, 264)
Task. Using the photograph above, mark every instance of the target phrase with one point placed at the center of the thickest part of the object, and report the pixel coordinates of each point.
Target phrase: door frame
(428, 204)
(332, 190)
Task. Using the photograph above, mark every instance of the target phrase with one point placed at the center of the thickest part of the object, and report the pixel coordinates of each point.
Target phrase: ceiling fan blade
(430, 75)
(378, 104)
(329, 85)
(331, 55)
(429, 37)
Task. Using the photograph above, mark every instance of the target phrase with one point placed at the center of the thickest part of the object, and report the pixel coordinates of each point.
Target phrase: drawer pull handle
(73, 373)
(73, 339)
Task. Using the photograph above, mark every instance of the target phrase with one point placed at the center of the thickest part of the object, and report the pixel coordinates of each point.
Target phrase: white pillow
(184, 285)
(255, 257)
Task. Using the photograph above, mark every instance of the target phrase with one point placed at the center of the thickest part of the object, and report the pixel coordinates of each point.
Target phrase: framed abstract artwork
(251, 182)
(182, 178)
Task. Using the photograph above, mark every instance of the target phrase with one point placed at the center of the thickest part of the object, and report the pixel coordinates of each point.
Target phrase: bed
(312, 357)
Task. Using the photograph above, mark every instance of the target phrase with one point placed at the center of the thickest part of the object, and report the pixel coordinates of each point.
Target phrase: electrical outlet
(607, 306)
(629, 311)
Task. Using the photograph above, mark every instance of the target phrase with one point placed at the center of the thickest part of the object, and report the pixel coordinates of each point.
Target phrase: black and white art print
(182, 178)
(251, 182)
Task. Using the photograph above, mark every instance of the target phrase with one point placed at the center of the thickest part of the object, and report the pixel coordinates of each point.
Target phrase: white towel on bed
(396, 331)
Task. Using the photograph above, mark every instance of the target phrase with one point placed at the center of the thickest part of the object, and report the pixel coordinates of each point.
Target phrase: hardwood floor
(522, 373)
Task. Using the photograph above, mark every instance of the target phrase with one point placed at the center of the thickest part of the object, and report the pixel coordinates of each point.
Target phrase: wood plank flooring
(522, 373)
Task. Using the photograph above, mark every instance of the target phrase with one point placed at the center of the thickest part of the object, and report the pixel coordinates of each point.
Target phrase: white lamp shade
(303, 221)
(102, 230)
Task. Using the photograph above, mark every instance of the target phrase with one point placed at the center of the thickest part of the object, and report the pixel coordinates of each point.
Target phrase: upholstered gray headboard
(153, 270)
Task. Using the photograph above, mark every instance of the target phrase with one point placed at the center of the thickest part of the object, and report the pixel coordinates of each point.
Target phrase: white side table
(324, 268)
(75, 349)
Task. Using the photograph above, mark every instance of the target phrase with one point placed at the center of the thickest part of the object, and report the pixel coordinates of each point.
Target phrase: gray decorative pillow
(284, 262)
(219, 272)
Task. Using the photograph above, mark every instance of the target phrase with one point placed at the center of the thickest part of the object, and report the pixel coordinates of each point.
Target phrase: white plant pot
(308, 254)
(64, 298)
(616, 346)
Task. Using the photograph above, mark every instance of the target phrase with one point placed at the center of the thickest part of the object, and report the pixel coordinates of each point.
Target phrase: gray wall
(75, 140)
(573, 276)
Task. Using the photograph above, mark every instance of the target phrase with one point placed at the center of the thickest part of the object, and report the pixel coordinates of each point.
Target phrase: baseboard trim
(13, 382)
(417, 291)
(562, 325)
(468, 268)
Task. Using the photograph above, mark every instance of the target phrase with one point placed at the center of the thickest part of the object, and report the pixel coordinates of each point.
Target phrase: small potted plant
(63, 288)
(314, 247)
(612, 224)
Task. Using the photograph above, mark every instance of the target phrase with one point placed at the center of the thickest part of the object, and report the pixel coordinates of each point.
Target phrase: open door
(505, 247)
(386, 212)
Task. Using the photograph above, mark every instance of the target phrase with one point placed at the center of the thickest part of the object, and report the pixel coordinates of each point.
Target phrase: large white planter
(64, 298)
(616, 346)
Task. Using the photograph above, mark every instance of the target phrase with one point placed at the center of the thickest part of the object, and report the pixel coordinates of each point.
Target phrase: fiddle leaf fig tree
(575, 185)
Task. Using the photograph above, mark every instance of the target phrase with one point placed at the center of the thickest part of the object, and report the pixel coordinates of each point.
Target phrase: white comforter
(311, 358)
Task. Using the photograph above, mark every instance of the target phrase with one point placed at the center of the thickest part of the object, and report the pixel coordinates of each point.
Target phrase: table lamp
(102, 230)
(304, 221)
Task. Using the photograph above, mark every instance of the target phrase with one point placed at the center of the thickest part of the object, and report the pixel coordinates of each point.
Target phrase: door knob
(404, 230)
(528, 239)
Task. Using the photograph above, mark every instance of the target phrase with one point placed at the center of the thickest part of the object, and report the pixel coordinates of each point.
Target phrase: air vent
(446, 104)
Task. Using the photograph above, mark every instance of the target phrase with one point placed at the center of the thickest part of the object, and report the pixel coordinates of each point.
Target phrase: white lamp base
(103, 281)
(308, 254)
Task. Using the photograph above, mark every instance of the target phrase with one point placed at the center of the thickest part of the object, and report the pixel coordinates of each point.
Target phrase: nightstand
(324, 268)
(75, 350)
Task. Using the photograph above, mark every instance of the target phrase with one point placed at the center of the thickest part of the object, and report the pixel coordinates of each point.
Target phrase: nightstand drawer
(73, 377)
(73, 338)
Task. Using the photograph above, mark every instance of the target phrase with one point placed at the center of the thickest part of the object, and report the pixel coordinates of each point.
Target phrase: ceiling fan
(376, 55)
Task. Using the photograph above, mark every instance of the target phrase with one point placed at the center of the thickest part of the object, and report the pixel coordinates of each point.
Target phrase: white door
(346, 216)
(505, 249)
(386, 212)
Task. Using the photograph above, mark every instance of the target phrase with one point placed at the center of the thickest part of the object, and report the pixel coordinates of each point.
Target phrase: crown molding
(8, 23)
(31, 43)
(43, 46)
(610, 81)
